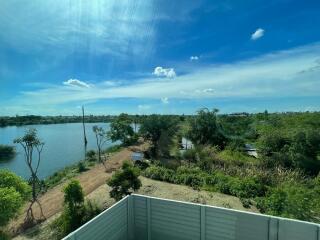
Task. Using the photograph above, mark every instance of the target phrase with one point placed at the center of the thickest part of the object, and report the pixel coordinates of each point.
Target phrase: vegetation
(6, 152)
(121, 130)
(101, 138)
(206, 129)
(159, 130)
(13, 192)
(282, 181)
(76, 211)
(124, 181)
(32, 119)
(31, 144)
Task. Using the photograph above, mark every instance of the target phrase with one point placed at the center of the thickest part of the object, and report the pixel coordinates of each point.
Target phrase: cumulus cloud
(257, 34)
(208, 90)
(144, 107)
(165, 100)
(285, 73)
(77, 83)
(194, 58)
(164, 72)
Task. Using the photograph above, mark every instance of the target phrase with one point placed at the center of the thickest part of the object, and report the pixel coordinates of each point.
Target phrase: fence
(147, 218)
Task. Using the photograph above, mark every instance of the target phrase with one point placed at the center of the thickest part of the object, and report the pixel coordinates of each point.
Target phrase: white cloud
(257, 34)
(165, 100)
(77, 83)
(164, 72)
(284, 73)
(144, 107)
(208, 90)
(194, 58)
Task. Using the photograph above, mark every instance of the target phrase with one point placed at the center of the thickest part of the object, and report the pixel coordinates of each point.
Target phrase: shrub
(81, 167)
(10, 204)
(159, 173)
(73, 194)
(292, 201)
(91, 155)
(247, 188)
(6, 152)
(76, 211)
(9, 179)
(124, 181)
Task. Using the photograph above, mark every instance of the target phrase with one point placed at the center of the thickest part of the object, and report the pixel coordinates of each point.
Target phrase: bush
(247, 188)
(6, 152)
(9, 179)
(124, 181)
(292, 201)
(91, 155)
(76, 211)
(159, 173)
(81, 167)
(10, 204)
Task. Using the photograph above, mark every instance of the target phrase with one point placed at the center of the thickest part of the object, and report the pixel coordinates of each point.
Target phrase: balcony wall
(146, 218)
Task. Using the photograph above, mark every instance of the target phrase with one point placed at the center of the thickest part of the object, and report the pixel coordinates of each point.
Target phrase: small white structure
(136, 156)
(251, 150)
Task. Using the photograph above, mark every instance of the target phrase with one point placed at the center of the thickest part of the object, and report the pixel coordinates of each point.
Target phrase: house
(138, 217)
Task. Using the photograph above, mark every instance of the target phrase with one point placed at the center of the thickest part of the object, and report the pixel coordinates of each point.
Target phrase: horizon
(158, 57)
(183, 114)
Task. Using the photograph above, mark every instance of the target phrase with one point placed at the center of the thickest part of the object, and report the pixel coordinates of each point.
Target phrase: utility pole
(84, 129)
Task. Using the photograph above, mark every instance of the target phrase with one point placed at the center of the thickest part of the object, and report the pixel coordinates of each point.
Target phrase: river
(63, 146)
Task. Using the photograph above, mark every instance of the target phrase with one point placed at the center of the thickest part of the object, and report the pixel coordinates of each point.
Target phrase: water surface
(63, 146)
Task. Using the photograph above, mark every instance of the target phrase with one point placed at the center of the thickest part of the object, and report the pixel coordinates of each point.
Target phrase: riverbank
(52, 200)
(78, 168)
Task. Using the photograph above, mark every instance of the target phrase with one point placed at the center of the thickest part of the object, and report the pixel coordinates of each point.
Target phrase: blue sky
(158, 56)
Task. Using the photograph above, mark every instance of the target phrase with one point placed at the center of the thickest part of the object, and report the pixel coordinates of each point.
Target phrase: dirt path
(52, 200)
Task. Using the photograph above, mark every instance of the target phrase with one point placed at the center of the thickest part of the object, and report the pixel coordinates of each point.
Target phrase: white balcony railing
(147, 218)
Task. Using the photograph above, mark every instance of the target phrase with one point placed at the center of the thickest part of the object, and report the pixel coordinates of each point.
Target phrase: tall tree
(121, 129)
(32, 144)
(101, 139)
(205, 129)
(159, 130)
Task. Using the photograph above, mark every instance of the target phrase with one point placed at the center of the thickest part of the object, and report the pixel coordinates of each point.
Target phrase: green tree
(101, 139)
(160, 130)
(121, 129)
(205, 129)
(76, 211)
(73, 194)
(124, 181)
(74, 206)
(304, 150)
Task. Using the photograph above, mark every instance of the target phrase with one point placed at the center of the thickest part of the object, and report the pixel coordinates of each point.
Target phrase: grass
(232, 156)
